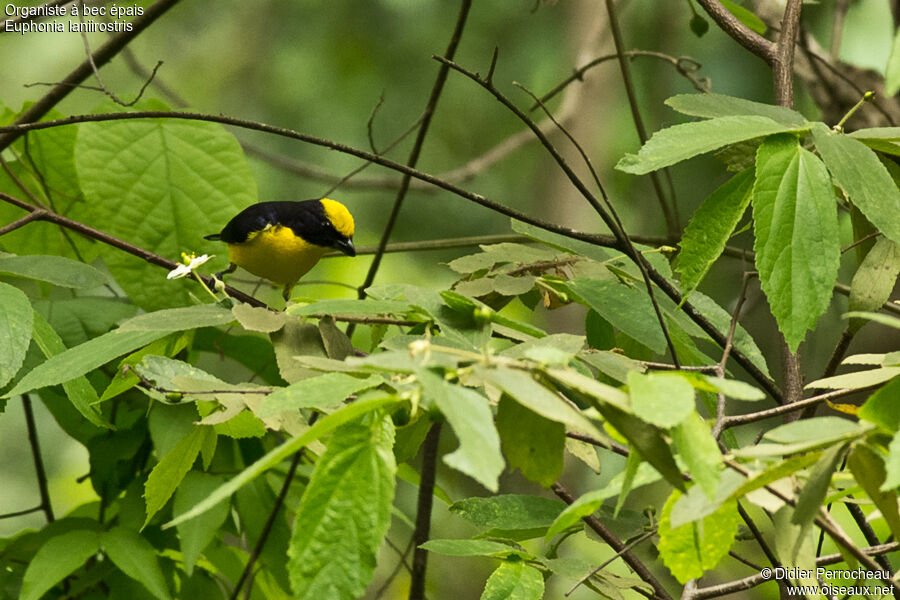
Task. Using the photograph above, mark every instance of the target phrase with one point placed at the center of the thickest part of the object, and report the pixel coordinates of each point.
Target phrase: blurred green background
(322, 67)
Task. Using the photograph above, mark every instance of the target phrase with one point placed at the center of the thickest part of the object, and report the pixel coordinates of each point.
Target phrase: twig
(400, 565)
(746, 37)
(729, 341)
(626, 548)
(20, 513)
(762, 415)
(267, 528)
(837, 27)
(423, 512)
(616, 544)
(35, 445)
(783, 63)
(102, 56)
(741, 585)
(671, 217)
(414, 154)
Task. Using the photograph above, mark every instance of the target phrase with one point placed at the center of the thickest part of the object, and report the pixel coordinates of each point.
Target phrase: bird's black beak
(346, 246)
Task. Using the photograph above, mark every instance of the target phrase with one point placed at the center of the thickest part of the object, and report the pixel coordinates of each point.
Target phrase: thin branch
(743, 35)
(35, 445)
(762, 415)
(783, 65)
(102, 56)
(32, 216)
(837, 27)
(423, 512)
(416, 151)
(729, 341)
(20, 513)
(616, 544)
(267, 528)
(742, 585)
(671, 217)
(626, 548)
(96, 234)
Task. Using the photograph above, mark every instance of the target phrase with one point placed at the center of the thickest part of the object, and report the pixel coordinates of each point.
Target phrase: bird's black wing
(307, 219)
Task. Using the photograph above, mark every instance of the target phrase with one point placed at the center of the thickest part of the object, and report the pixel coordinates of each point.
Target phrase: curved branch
(743, 35)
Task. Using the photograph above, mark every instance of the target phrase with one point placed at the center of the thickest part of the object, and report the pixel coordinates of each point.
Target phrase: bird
(282, 240)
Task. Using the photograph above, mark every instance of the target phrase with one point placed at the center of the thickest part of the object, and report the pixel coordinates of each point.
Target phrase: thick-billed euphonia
(281, 241)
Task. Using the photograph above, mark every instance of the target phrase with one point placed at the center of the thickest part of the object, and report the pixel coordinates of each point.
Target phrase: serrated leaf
(321, 428)
(509, 511)
(680, 142)
(700, 452)
(344, 513)
(136, 558)
(868, 468)
(160, 184)
(171, 469)
(15, 331)
(710, 106)
(531, 443)
(514, 580)
(56, 559)
(178, 319)
(874, 280)
(57, 270)
(468, 413)
(694, 548)
(663, 399)
(797, 245)
(883, 407)
(469, 548)
(351, 307)
(196, 534)
(323, 391)
(628, 309)
(859, 379)
(79, 391)
(531, 394)
(79, 319)
(257, 318)
(710, 228)
(859, 172)
(720, 318)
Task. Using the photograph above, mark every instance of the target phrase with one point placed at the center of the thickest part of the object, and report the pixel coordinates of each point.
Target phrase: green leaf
(79, 319)
(168, 472)
(179, 319)
(709, 106)
(628, 309)
(75, 362)
(531, 443)
(344, 513)
(296, 339)
(700, 452)
(468, 413)
(720, 318)
(529, 393)
(680, 142)
(892, 465)
(694, 548)
(593, 500)
(15, 331)
(745, 16)
(663, 399)
(868, 468)
(321, 428)
(351, 307)
(874, 279)
(196, 534)
(813, 493)
(775, 472)
(325, 391)
(710, 228)
(257, 318)
(892, 70)
(797, 245)
(470, 548)
(514, 580)
(136, 558)
(859, 379)
(881, 407)
(794, 547)
(880, 318)
(733, 388)
(56, 559)
(182, 180)
(80, 392)
(57, 270)
(509, 512)
(859, 172)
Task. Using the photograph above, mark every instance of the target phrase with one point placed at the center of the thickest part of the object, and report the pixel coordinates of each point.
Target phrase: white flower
(190, 262)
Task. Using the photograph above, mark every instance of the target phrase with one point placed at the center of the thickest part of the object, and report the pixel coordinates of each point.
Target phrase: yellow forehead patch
(339, 216)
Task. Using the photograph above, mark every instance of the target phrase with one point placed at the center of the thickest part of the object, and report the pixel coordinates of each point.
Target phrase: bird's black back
(306, 218)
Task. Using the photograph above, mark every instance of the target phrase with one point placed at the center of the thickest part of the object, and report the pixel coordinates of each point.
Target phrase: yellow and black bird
(281, 241)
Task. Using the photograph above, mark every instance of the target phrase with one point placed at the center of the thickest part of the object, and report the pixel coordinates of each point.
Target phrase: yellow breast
(276, 254)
